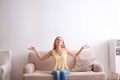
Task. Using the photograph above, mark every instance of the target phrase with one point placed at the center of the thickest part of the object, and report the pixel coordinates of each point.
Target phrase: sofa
(41, 70)
(5, 65)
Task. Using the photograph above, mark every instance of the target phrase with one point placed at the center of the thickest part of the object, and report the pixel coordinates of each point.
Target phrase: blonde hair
(62, 46)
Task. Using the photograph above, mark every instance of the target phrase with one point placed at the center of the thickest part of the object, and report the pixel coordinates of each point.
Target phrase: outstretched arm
(39, 55)
(78, 53)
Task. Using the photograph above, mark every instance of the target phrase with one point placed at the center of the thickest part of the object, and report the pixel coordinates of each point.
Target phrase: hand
(32, 48)
(85, 46)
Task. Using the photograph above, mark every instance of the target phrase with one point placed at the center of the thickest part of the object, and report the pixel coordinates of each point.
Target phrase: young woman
(59, 53)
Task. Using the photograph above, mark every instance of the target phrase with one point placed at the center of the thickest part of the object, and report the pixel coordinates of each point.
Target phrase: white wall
(37, 22)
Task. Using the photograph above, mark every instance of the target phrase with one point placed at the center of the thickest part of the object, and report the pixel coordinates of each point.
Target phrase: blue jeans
(61, 75)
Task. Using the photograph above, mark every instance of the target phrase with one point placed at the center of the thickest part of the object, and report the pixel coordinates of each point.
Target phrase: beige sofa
(41, 70)
(5, 64)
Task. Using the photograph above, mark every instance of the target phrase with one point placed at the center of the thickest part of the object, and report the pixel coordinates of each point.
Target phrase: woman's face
(59, 41)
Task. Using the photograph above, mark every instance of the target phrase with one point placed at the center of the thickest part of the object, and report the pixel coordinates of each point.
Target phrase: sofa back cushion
(48, 64)
(84, 61)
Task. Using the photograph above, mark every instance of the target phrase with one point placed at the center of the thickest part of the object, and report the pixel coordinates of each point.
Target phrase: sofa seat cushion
(46, 75)
(38, 75)
(87, 76)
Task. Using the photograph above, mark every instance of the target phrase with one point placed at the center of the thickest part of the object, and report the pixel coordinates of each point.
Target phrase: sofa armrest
(29, 68)
(98, 67)
(1, 73)
(5, 71)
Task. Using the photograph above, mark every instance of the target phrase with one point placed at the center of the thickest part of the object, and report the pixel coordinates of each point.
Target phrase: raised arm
(78, 53)
(39, 55)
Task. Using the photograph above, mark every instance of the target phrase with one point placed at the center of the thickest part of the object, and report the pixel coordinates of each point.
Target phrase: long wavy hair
(62, 46)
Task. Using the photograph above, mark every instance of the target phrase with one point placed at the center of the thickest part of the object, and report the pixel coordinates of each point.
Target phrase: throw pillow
(84, 61)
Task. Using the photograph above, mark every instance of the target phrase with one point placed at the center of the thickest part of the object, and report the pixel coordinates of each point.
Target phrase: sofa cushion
(46, 75)
(84, 61)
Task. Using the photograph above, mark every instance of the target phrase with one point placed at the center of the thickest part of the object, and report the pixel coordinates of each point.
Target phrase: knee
(56, 72)
(64, 72)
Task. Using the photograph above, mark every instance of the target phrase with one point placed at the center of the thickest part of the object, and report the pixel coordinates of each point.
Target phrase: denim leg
(56, 74)
(64, 74)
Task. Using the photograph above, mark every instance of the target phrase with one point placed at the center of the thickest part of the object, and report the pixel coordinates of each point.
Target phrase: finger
(29, 48)
(86, 46)
(33, 47)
